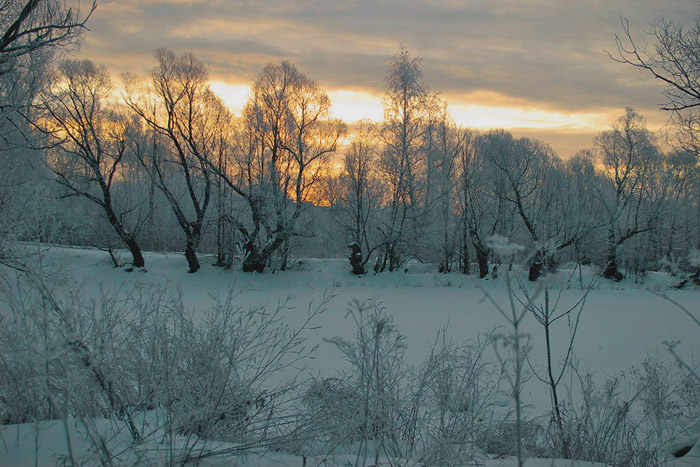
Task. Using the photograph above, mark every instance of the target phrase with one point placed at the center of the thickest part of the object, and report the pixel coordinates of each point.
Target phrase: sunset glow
(234, 96)
(353, 106)
(321, 232)
(540, 75)
(484, 117)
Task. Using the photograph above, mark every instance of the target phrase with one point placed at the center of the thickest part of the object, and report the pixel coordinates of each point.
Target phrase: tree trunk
(611, 271)
(535, 268)
(393, 259)
(464, 260)
(253, 261)
(285, 255)
(138, 261)
(191, 256)
(127, 237)
(482, 257)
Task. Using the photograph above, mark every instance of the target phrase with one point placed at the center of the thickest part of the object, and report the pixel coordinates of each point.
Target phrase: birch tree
(443, 164)
(400, 162)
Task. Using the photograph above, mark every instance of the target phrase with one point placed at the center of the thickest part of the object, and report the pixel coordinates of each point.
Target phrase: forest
(107, 181)
(159, 163)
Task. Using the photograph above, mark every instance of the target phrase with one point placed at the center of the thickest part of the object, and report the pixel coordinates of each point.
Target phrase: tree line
(161, 159)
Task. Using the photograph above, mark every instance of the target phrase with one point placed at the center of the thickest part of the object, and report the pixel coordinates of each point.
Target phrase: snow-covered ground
(51, 450)
(621, 324)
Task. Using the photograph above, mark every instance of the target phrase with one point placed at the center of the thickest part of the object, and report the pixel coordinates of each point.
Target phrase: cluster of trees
(167, 156)
(440, 198)
(419, 186)
(32, 32)
(164, 155)
(174, 135)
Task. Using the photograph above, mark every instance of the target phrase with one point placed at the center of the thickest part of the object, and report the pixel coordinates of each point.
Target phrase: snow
(621, 324)
(46, 442)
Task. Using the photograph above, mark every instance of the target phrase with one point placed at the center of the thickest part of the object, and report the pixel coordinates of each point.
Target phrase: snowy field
(621, 323)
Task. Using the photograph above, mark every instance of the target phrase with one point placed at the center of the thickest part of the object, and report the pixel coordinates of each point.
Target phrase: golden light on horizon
(234, 96)
(486, 117)
(353, 106)
(479, 110)
(348, 105)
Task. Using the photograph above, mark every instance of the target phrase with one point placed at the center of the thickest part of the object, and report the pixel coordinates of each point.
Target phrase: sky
(535, 67)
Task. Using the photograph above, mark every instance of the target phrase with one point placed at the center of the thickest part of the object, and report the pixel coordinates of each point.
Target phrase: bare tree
(441, 182)
(30, 31)
(401, 162)
(571, 212)
(476, 205)
(313, 137)
(671, 59)
(225, 229)
(537, 186)
(32, 25)
(528, 166)
(89, 144)
(25, 181)
(361, 191)
(681, 179)
(581, 205)
(627, 153)
(191, 119)
(287, 138)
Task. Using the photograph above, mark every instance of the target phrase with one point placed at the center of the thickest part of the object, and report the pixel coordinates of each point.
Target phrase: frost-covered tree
(671, 59)
(582, 203)
(30, 32)
(523, 164)
(627, 153)
(532, 182)
(360, 191)
(191, 120)
(25, 181)
(286, 138)
(402, 161)
(440, 200)
(89, 154)
(681, 177)
(30, 26)
(475, 204)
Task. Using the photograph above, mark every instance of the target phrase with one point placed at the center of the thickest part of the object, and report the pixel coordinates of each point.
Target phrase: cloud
(547, 55)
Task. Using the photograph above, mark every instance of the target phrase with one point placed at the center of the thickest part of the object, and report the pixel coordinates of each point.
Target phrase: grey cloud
(548, 52)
